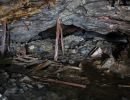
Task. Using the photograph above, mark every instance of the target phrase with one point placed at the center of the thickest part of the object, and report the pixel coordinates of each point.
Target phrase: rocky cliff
(94, 15)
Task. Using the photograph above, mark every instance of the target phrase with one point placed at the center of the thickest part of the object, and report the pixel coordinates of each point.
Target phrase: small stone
(109, 62)
(0, 95)
(83, 50)
(73, 51)
(6, 74)
(64, 61)
(25, 88)
(19, 75)
(13, 75)
(72, 62)
(26, 78)
(12, 80)
(111, 8)
(128, 8)
(4, 98)
(66, 47)
(32, 47)
(10, 91)
(97, 53)
(29, 86)
(13, 84)
(122, 76)
(40, 86)
(71, 41)
(21, 91)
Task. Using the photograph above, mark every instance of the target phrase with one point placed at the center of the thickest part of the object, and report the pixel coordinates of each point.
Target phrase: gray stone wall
(94, 15)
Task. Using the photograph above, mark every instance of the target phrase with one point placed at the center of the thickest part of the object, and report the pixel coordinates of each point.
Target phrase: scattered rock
(26, 78)
(25, 88)
(10, 91)
(109, 63)
(72, 41)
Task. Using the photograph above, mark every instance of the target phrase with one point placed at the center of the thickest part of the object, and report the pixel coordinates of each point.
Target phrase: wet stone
(40, 86)
(19, 75)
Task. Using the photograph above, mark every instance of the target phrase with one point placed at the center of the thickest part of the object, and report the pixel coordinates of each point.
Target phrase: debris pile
(88, 60)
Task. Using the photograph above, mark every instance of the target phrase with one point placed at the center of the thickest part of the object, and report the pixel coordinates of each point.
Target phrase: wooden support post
(62, 42)
(59, 34)
(5, 40)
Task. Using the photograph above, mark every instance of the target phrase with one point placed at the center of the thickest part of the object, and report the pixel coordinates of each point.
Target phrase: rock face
(4, 1)
(92, 15)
